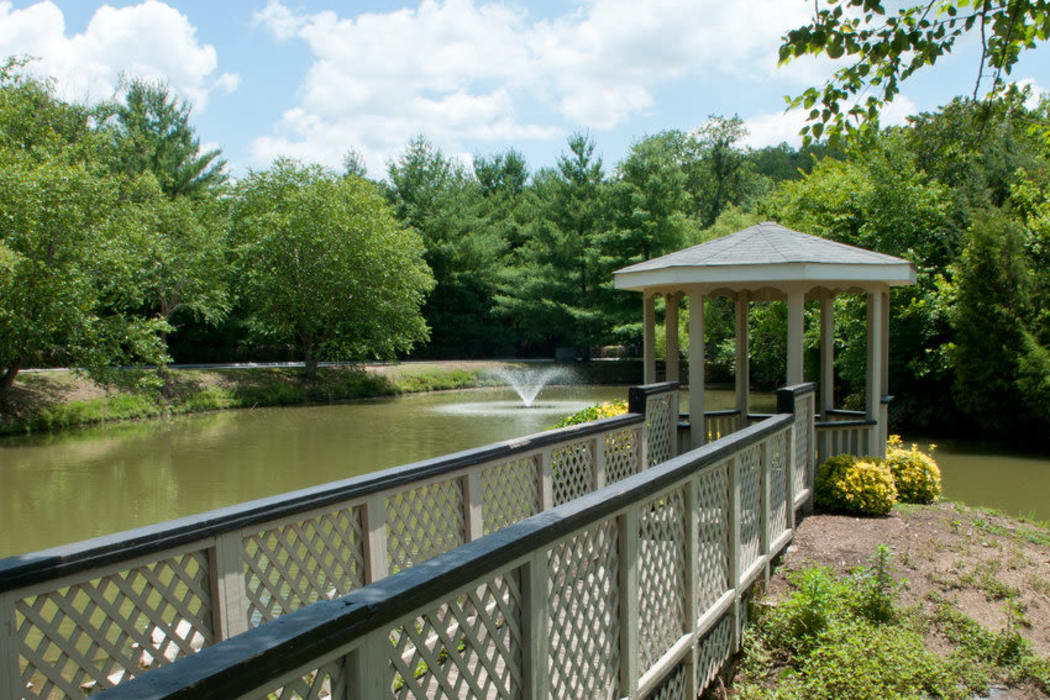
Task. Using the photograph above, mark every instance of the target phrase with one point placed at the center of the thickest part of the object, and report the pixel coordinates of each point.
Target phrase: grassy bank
(941, 601)
(57, 400)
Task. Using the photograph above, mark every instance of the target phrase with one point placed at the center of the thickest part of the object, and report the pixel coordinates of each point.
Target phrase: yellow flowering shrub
(916, 474)
(605, 409)
(861, 486)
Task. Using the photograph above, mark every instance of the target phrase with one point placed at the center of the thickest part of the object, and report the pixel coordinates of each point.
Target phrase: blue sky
(311, 79)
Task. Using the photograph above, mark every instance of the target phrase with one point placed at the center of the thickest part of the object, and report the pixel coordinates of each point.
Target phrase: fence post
(377, 565)
(546, 479)
(473, 515)
(808, 408)
(734, 547)
(10, 673)
(764, 541)
(226, 571)
(368, 668)
(628, 523)
(638, 402)
(597, 446)
(791, 451)
(534, 615)
(692, 584)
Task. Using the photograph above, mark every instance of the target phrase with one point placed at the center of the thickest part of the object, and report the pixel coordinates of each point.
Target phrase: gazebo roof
(767, 253)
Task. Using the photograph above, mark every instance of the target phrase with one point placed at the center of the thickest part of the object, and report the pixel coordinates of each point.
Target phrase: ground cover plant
(938, 601)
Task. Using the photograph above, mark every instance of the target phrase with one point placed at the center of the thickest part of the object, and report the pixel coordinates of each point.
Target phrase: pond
(56, 489)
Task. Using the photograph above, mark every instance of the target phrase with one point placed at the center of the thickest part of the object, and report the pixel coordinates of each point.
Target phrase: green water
(68, 487)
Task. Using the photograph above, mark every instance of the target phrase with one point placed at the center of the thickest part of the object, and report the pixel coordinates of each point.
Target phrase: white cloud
(150, 40)
(1035, 92)
(458, 70)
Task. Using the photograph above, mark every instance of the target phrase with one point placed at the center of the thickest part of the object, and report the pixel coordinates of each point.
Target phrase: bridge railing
(635, 590)
(91, 615)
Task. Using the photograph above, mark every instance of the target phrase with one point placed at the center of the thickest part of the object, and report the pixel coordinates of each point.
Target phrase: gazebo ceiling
(767, 255)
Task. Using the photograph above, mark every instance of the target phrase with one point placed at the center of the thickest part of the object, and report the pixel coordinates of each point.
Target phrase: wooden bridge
(583, 562)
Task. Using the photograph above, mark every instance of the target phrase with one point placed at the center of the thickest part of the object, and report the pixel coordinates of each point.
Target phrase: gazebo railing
(88, 616)
(635, 590)
(837, 437)
(659, 404)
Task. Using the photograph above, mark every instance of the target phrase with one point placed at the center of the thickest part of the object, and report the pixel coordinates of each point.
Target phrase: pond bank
(974, 591)
(65, 399)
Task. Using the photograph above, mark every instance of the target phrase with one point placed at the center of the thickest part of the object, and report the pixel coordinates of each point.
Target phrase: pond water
(56, 489)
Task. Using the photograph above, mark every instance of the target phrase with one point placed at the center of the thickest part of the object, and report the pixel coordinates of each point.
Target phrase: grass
(848, 636)
(50, 402)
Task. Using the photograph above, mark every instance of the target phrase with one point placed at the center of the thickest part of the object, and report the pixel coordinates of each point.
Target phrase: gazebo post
(873, 383)
(671, 371)
(697, 429)
(795, 300)
(884, 409)
(743, 358)
(649, 338)
(827, 353)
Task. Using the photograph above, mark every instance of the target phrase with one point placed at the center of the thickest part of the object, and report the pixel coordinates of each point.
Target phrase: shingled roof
(766, 252)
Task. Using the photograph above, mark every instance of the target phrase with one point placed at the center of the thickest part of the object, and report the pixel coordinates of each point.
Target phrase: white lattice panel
(584, 626)
(423, 522)
(303, 561)
(712, 542)
(778, 475)
(803, 450)
(573, 469)
(324, 683)
(749, 476)
(661, 426)
(621, 455)
(713, 651)
(467, 647)
(661, 576)
(95, 634)
(509, 492)
(673, 687)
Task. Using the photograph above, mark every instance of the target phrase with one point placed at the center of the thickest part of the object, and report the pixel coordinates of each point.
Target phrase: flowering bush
(916, 474)
(605, 409)
(862, 486)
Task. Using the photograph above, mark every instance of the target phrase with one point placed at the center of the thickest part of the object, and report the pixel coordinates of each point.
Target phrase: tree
(326, 266)
(717, 169)
(884, 49)
(443, 202)
(70, 278)
(553, 290)
(150, 132)
(182, 251)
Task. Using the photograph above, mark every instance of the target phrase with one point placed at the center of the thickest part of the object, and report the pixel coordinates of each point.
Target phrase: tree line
(121, 242)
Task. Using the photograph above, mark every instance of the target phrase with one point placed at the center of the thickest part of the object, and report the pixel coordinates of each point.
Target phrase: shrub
(915, 473)
(854, 485)
(605, 409)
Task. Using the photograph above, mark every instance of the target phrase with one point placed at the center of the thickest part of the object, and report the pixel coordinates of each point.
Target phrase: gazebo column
(743, 358)
(795, 300)
(649, 338)
(671, 371)
(873, 383)
(884, 409)
(697, 428)
(827, 353)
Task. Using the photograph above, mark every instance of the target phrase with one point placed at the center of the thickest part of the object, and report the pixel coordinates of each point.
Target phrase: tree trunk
(7, 379)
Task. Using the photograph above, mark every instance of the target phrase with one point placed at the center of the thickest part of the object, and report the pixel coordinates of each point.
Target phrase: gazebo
(768, 262)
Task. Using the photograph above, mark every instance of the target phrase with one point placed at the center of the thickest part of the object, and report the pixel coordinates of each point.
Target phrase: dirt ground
(974, 559)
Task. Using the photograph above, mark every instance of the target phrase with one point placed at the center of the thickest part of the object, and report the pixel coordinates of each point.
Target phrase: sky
(311, 79)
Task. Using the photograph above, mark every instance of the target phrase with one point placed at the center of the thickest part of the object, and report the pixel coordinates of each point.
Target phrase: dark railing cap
(786, 395)
(240, 664)
(637, 395)
(830, 424)
(25, 569)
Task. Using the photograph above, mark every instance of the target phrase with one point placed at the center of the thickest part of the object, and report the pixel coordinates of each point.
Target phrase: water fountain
(528, 382)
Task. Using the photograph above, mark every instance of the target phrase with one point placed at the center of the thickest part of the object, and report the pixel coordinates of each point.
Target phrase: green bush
(860, 486)
(915, 473)
(606, 409)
